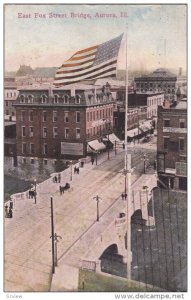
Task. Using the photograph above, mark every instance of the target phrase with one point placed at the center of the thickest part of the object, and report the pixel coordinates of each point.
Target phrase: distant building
(42, 75)
(10, 95)
(161, 80)
(58, 123)
(172, 146)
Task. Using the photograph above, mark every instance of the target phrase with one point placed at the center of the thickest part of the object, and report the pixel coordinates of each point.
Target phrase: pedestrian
(55, 179)
(82, 164)
(92, 160)
(59, 178)
(11, 204)
(6, 211)
(78, 171)
(10, 213)
(125, 196)
(60, 190)
(122, 196)
(75, 170)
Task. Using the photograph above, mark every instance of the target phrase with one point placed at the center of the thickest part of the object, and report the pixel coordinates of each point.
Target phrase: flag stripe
(87, 49)
(86, 73)
(80, 70)
(78, 64)
(81, 57)
(95, 75)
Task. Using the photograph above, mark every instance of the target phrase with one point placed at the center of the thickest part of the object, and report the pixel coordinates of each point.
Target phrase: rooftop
(161, 72)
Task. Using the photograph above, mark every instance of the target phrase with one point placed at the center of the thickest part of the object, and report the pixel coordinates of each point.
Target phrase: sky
(157, 34)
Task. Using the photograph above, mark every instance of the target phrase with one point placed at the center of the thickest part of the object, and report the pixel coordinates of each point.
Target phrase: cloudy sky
(157, 34)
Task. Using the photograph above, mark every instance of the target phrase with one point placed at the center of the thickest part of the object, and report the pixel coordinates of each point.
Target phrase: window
(66, 117)
(166, 123)
(43, 98)
(45, 132)
(32, 161)
(44, 116)
(45, 149)
(7, 104)
(31, 115)
(181, 144)
(13, 114)
(182, 123)
(31, 148)
(22, 99)
(23, 131)
(93, 115)
(78, 133)
(77, 116)
(66, 99)
(24, 148)
(22, 115)
(88, 116)
(31, 131)
(166, 142)
(66, 133)
(78, 99)
(45, 161)
(88, 133)
(30, 98)
(56, 99)
(97, 116)
(55, 132)
(24, 160)
(55, 116)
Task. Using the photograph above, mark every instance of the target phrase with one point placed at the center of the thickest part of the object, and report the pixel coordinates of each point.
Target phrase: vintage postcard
(95, 148)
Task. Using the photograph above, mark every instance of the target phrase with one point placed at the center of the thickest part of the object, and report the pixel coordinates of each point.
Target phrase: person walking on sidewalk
(78, 171)
(6, 211)
(92, 161)
(11, 204)
(59, 177)
(10, 213)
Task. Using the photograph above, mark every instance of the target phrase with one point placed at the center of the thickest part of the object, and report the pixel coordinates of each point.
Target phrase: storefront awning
(113, 138)
(95, 145)
(133, 132)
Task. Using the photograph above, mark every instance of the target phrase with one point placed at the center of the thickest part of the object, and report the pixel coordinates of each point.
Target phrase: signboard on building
(88, 265)
(181, 168)
(72, 148)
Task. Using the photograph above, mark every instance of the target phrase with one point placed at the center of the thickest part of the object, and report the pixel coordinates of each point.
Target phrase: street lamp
(97, 198)
(70, 170)
(55, 245)
(35, 191)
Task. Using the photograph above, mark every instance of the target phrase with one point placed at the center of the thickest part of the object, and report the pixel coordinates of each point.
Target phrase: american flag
(90, 63)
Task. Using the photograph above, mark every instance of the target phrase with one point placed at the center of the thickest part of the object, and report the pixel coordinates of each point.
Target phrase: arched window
(22, 98)
(78, 99)
(66, 99)
(30, 98)
(43, 98)
(56, 99)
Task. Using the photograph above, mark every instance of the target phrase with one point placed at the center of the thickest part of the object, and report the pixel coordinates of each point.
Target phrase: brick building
(10, 95)
(172, 146)
(161, 80)
(57, 123)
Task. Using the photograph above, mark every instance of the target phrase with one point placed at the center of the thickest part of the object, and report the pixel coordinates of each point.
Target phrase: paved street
(27, 235)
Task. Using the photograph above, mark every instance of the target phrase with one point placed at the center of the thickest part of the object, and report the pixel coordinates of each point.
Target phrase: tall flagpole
(127, 171)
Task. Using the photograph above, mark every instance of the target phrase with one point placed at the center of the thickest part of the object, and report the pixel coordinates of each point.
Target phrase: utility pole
(71, 170)
(97, 198)
(52, 235)
(35, 191)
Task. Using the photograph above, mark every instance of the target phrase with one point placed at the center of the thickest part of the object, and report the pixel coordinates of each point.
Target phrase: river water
(14, 185)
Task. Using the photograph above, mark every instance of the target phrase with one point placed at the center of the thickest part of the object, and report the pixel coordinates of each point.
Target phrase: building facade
(57, 123)
(10, 95)
(172, 146)
(161, 80)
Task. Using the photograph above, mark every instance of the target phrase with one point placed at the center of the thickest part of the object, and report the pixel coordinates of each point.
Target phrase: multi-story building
(58, 123)
(172, 146)
(10, 95)
(161, 80)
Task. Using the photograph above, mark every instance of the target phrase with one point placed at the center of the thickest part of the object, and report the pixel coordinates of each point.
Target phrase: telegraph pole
(52, 236)
(127, 171)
